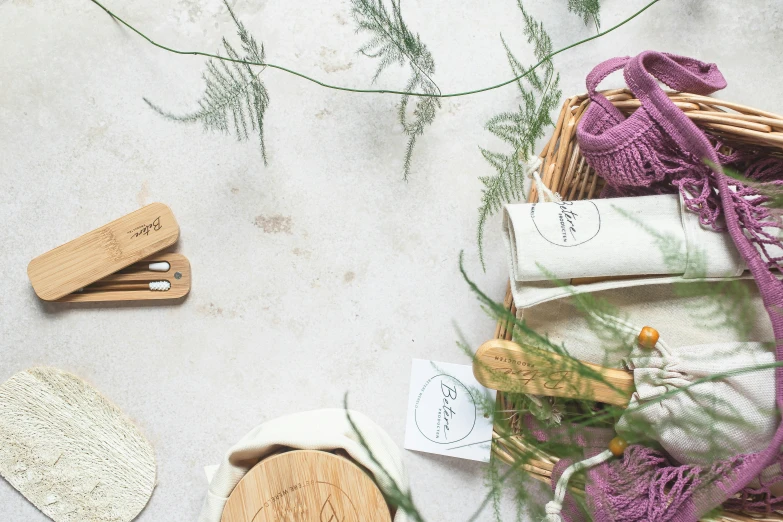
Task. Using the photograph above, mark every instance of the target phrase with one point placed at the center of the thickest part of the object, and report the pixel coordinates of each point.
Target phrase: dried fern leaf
(540, 94)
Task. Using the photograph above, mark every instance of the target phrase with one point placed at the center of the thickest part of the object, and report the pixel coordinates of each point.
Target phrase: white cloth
(651, 237)
(685, 315)
(657, 243)
(709, 421)
(315, 430)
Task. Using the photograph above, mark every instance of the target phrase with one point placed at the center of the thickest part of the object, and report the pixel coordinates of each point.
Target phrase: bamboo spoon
(506, 366)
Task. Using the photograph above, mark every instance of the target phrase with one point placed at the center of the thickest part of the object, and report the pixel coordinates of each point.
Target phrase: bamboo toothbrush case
(120, 261)
(306, 486)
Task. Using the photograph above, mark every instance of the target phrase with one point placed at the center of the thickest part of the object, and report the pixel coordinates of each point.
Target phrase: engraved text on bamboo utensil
(499, 365)
(551, 380)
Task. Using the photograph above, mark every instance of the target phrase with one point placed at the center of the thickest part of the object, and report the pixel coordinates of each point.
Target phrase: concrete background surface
(321, 274)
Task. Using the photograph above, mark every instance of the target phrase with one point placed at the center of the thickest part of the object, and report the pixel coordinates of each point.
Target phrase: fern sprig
(392, 42)
(540, 94)
(235, 99)
(588, 10)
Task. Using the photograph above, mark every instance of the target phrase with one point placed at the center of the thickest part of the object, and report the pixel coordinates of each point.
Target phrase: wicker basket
(565, 171)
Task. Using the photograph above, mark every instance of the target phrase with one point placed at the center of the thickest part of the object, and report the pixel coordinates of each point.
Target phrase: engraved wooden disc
(306, 486)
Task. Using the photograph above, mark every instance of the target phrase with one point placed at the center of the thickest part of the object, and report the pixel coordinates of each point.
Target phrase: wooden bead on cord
(648, 337)
(617, 446)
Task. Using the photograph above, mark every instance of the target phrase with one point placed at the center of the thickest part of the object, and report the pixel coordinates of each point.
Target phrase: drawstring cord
(545, 194)
(554, 507)
(630, 329)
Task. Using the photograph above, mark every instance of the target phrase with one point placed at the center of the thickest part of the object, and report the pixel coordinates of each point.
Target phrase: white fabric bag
(685, 314)
(713, 420)
(314, 430)
(655, 242)
(700, 423)
(651, 237)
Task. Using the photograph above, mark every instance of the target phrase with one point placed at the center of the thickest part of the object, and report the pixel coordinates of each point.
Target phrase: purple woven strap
(596, 76)
(656, 148)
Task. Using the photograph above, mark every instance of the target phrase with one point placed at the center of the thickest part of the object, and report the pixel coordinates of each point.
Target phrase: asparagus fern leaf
(540, 94)
(588, 10)
(235, 100)
(392, 42)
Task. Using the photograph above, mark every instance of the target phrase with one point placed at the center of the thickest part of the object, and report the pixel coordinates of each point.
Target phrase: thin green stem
(376, 91)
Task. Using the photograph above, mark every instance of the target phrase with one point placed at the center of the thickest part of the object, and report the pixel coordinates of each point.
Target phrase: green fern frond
(392, 42)
(540, 94)
(507, 184)
(235, 100)
(588, 10)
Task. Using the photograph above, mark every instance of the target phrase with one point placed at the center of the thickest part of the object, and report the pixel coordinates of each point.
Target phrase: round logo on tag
(568, 223)
(445, 410)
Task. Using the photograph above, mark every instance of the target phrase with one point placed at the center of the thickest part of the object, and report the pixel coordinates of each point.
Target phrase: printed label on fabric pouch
(445, 411)
(567, 223)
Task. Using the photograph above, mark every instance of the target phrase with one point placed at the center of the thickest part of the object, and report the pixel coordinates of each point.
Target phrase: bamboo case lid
(306, 486)
(103, 251)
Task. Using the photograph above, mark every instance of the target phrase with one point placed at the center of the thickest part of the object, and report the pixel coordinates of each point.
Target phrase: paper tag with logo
(444, 411)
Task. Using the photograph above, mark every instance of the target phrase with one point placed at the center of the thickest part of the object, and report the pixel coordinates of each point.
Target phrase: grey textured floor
(321, 274)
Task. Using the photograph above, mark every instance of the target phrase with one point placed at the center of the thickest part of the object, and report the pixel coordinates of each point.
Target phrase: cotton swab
(159, 266)
(155, 286)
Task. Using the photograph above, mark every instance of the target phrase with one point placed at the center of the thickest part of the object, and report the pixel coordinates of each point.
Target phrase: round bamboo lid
(306, 486)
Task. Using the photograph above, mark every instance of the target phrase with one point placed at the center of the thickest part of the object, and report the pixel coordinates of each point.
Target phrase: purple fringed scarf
(659, 149)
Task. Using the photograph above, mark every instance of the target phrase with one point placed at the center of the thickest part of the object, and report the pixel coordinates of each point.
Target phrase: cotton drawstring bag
(703, 422)
(658, 149)
(325, 430)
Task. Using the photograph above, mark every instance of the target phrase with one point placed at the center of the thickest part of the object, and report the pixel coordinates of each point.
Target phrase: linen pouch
(713, 420)
(685, 315)
(700, 423)
(651, 238)
(315, 430)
